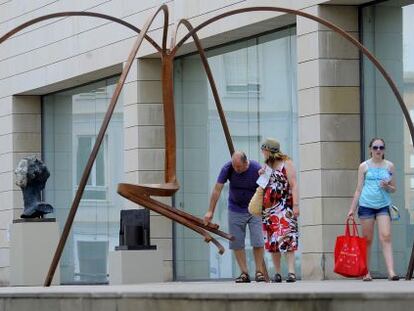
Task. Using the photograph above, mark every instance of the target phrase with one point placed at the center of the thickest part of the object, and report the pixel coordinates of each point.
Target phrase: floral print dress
(280, 226)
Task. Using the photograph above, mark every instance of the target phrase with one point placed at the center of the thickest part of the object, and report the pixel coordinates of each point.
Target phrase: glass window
(96, 188)
(71, 121)
(387, 32)
(256, 81)
(239, 78)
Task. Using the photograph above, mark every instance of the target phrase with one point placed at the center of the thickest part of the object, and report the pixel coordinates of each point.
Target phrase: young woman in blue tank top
(375, 183)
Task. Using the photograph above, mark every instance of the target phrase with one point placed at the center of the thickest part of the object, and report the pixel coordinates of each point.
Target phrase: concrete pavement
(352, 295)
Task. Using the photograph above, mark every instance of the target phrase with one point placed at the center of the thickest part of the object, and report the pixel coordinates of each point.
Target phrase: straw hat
(271, 145)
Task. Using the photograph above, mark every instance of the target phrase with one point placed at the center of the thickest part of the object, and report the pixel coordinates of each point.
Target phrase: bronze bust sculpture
(31, 176)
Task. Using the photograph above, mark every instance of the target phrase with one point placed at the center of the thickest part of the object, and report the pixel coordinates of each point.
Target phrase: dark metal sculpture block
(134, 231)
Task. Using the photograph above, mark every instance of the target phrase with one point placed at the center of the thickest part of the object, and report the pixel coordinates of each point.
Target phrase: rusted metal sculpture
(141, 194)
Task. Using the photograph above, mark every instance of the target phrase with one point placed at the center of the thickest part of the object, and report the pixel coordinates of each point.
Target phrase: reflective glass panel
(256, 81)
(387, 32)
(71, 121)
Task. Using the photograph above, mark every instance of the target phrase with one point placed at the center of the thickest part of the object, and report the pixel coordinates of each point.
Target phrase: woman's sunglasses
(378, 147)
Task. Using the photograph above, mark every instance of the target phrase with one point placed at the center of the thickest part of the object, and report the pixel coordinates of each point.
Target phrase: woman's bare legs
(384, 232)
(276, 261)
(368, 233)
(290, 256)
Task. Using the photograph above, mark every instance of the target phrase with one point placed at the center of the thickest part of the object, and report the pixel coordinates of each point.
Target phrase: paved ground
(341, 295)
(225, 290)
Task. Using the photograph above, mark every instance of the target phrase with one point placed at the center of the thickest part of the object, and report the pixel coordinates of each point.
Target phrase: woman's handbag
(256, 202)
(394, 212)
(350, 252)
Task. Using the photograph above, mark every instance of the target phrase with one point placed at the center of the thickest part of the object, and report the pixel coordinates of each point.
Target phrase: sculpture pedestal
(135, 266)
(32, 245)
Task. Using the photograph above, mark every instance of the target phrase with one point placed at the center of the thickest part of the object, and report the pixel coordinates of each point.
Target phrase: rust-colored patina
(141, 194)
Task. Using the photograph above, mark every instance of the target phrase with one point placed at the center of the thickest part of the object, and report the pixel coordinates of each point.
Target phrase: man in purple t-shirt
(242, 175)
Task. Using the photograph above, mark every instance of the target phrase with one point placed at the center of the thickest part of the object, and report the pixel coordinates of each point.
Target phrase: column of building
(20, 128)
(145, 145)
(329, 124)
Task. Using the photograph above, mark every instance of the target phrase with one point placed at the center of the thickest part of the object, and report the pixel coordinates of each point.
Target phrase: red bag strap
(354, 227)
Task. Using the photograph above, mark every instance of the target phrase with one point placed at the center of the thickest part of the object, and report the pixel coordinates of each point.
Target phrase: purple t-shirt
(242, 186)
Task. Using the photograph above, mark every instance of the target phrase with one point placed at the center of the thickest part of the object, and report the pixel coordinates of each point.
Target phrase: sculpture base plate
(31, 250)
(20, 220)
(135, 267)
(134, 248)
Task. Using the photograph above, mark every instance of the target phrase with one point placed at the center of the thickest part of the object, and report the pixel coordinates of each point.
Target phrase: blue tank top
(372, 195)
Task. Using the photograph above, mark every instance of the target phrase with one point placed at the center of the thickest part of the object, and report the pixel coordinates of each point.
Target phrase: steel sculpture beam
(171, 185)
(141, 194)
(210, 78)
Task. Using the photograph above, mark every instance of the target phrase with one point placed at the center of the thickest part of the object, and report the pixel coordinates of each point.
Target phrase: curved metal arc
(211, 81)
(328, 24)
(246, 10)
(165, 29)
(98, 142)
(76, 13)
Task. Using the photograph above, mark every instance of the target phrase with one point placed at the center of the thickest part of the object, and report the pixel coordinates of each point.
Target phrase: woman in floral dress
(280, 209)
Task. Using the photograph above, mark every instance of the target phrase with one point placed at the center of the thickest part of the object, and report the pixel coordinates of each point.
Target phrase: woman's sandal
(291, 277)
(277, 278)
(243, 278)
(260, 277)
(367, 278)
(393, 278)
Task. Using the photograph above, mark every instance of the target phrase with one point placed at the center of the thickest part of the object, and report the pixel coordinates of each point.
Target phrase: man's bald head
(239, 161)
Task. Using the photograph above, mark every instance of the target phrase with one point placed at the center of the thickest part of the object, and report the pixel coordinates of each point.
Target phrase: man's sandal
(260, 277)
(243, 278)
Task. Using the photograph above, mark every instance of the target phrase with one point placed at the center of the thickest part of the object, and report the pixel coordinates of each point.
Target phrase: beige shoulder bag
(256, 203)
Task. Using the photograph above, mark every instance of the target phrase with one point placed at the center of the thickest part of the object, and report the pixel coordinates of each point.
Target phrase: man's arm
(213, 201)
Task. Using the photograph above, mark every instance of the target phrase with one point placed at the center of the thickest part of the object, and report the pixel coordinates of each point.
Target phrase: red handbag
(351, 252)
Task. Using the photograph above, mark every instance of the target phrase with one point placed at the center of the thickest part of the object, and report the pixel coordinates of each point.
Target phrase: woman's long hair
(276, 156)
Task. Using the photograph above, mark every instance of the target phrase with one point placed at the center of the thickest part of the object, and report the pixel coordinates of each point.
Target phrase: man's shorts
(372, 213)
(237, 228)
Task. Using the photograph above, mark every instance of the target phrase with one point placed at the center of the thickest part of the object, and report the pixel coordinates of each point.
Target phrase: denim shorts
(237, 227)
(368, 213)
